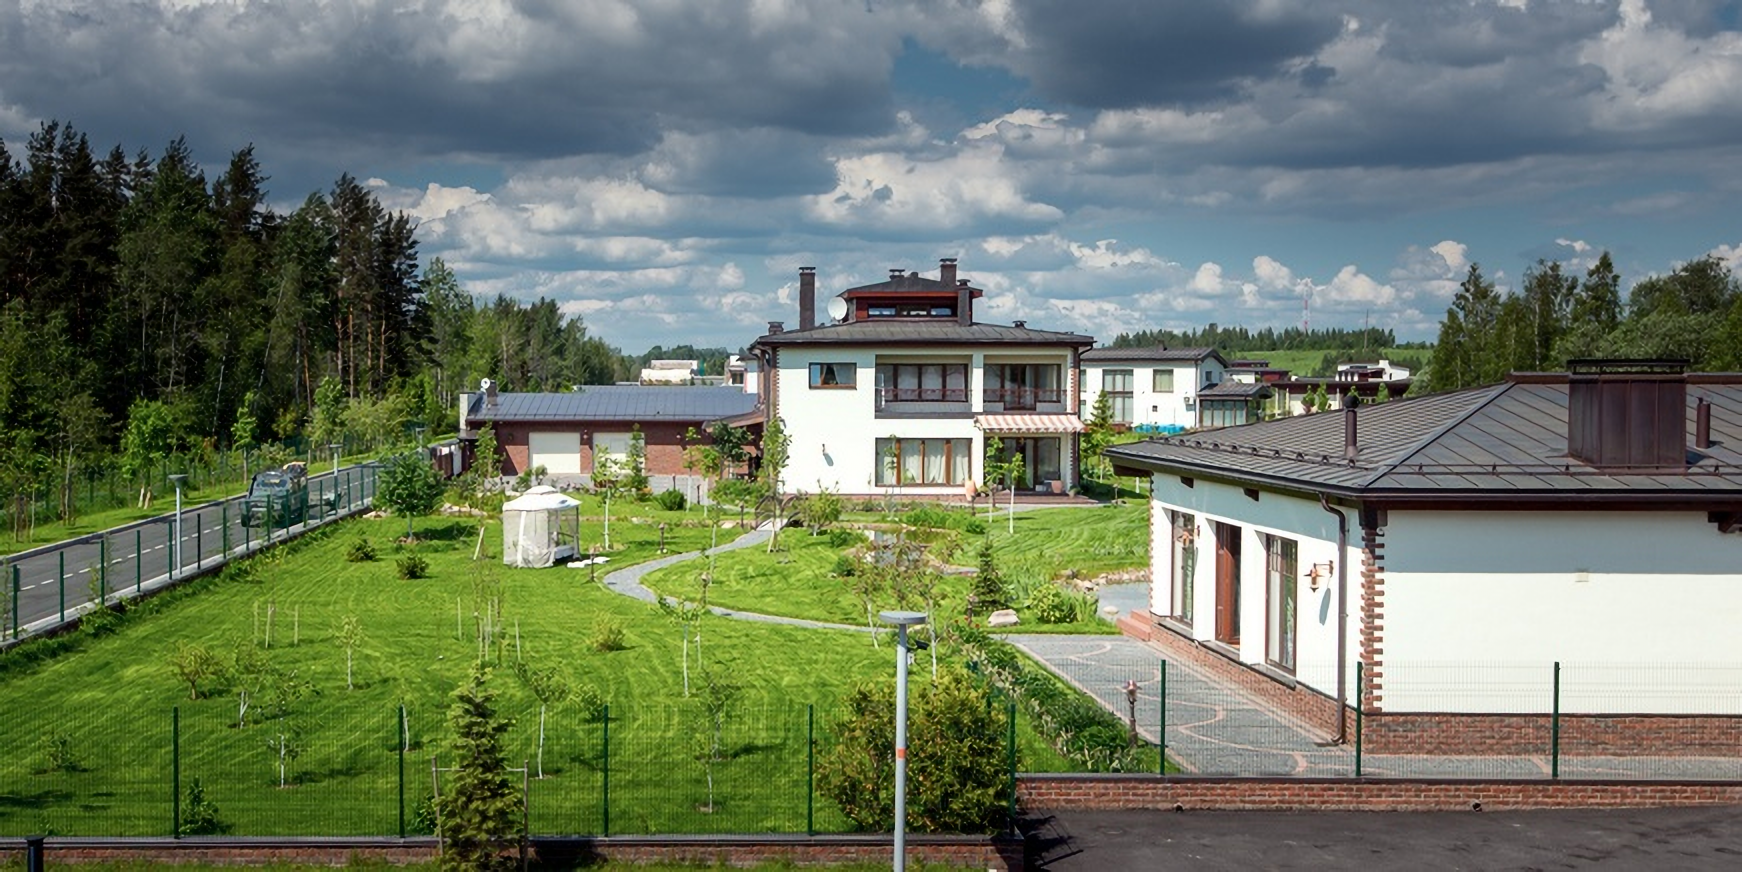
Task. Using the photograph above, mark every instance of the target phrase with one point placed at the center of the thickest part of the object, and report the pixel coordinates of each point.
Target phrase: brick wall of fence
(1114, 792)
(980, 852)
(1448, 734)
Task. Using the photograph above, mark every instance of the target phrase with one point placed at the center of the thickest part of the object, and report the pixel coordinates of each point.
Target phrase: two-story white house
(900, 388)
(1153, 389)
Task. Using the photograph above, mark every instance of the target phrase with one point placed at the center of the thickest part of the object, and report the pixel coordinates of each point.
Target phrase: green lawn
(89, 744)
(800, 580)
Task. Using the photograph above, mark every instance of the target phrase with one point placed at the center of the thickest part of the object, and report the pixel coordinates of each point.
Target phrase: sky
(662, 168)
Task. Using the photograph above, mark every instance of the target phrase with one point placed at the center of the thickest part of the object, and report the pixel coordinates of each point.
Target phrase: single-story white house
(1469, 550)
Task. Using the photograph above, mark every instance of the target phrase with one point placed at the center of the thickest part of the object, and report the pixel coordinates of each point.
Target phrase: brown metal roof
(1502, 441)
(941, 331)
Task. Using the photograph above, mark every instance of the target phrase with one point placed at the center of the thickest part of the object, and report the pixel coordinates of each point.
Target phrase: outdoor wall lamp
(1319, 571)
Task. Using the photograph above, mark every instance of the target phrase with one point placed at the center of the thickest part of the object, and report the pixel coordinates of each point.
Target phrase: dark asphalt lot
(1650, 839)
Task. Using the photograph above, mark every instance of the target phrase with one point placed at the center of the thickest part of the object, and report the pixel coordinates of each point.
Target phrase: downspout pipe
(1342, 617)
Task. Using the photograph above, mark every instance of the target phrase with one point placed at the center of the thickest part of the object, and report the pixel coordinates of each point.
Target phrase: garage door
(558, 453)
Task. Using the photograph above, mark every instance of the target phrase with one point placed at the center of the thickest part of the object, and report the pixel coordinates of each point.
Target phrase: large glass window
(1022, 385)
(922, 382)
(834, 375)
(1280, 565)
(922, 461)
(1116, 384)
(1185, 560)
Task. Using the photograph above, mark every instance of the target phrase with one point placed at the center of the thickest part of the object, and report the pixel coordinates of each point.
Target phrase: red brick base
(1113, 792)
(1447, 734)
(980, 852)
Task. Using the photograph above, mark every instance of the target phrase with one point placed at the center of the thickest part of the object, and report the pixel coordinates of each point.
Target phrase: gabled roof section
(618, 403)
(895, 331)
(907, 283)
(1501, 441)
(1153, 352)
(1233, 390)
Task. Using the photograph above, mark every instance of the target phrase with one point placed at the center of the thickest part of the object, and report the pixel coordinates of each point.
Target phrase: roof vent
(1628, 413)
(489, 387)
(1020, 325)
(896, 272)
(775, 327)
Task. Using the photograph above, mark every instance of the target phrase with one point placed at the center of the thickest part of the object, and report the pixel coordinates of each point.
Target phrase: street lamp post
(175, 552)
(336, 447)
(901, 620)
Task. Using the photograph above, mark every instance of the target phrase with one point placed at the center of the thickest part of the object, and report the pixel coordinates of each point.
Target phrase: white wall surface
(1147, 406)
(1315, 533)
(1642, 609)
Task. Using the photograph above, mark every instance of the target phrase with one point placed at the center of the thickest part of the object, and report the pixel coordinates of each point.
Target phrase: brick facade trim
(1372, 691)
(1123, 792)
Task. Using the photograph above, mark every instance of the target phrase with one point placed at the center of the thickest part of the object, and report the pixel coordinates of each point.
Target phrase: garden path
(628, 583)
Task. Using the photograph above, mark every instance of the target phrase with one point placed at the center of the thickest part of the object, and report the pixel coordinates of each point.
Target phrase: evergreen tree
(481, 804)
(1098, 434)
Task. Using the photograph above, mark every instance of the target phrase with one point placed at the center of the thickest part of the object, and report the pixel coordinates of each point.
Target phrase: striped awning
(1031, 423)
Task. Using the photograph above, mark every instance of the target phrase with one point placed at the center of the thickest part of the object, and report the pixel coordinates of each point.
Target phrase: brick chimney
(947, 270)
(964, 303)
(1628, 413)
(807, 297)
(775, 327)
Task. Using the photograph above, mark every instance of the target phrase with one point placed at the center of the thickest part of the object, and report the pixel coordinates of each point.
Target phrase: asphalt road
(56, 581)
(1651, 839)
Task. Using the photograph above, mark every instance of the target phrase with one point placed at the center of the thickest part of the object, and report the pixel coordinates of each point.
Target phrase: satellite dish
(837, 309)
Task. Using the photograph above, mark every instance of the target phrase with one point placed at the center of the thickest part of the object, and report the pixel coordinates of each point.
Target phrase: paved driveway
(1649, 839)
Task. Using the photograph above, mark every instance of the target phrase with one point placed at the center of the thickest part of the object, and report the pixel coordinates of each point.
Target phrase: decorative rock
(1003, 618)
(1109, 610)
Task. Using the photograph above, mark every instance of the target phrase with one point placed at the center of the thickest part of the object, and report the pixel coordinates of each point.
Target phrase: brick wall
(1459, 734)
(1581, 735)
(980, 852)
(665, 443)
(1111, 792)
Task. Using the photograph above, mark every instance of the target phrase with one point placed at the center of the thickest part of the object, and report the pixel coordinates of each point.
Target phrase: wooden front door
(1227, 584)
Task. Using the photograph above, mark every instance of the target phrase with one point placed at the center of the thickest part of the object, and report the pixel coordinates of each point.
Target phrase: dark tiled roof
(619, 403)
(1504, 440)
(943, 331)
(1153, 352)
(1233, 390)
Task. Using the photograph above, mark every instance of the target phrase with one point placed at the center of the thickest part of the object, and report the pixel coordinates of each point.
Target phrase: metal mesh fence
(46, 587)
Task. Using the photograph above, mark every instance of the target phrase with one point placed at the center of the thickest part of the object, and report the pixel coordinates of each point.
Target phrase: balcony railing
(888, 396)
(1023, 398)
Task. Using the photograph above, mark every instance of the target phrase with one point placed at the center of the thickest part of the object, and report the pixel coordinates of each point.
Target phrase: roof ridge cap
(1380, 471)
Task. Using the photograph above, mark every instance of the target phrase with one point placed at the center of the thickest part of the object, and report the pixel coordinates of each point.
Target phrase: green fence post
(268, 539)
(1554, 729)
(199, 541)
(1010, 760)
(1161, 725)
(14, 600)
(605, 785)
(403, 741)
(62, 583)
(102, 570)
(138, 564)
(224, 523)
(1359, 675)
(175, 771)
(810, 771)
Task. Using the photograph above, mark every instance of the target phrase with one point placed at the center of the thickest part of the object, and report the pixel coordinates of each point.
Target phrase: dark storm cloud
(430, 78)
(1120, 55)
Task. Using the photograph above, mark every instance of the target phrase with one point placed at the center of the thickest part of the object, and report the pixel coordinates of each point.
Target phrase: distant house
(1458, 546)
(901, 388)
(671, 372)
(566, 433)
(1153, 389)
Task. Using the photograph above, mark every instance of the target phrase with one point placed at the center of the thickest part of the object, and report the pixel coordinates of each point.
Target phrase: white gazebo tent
(538, 528)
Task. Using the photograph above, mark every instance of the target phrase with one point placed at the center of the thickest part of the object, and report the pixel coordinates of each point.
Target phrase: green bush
(101, 621)
(736, 492)
(590, 703)
(412, 566)
(361, 550)
(846, 566)
(1051, 605)
(671, 500)
(60, 753)
(1076, 726)
(957, 758)
(839, 538)
(940, 518)
(199, 815)
(988, 588)
(974, 527)
(607, 636)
